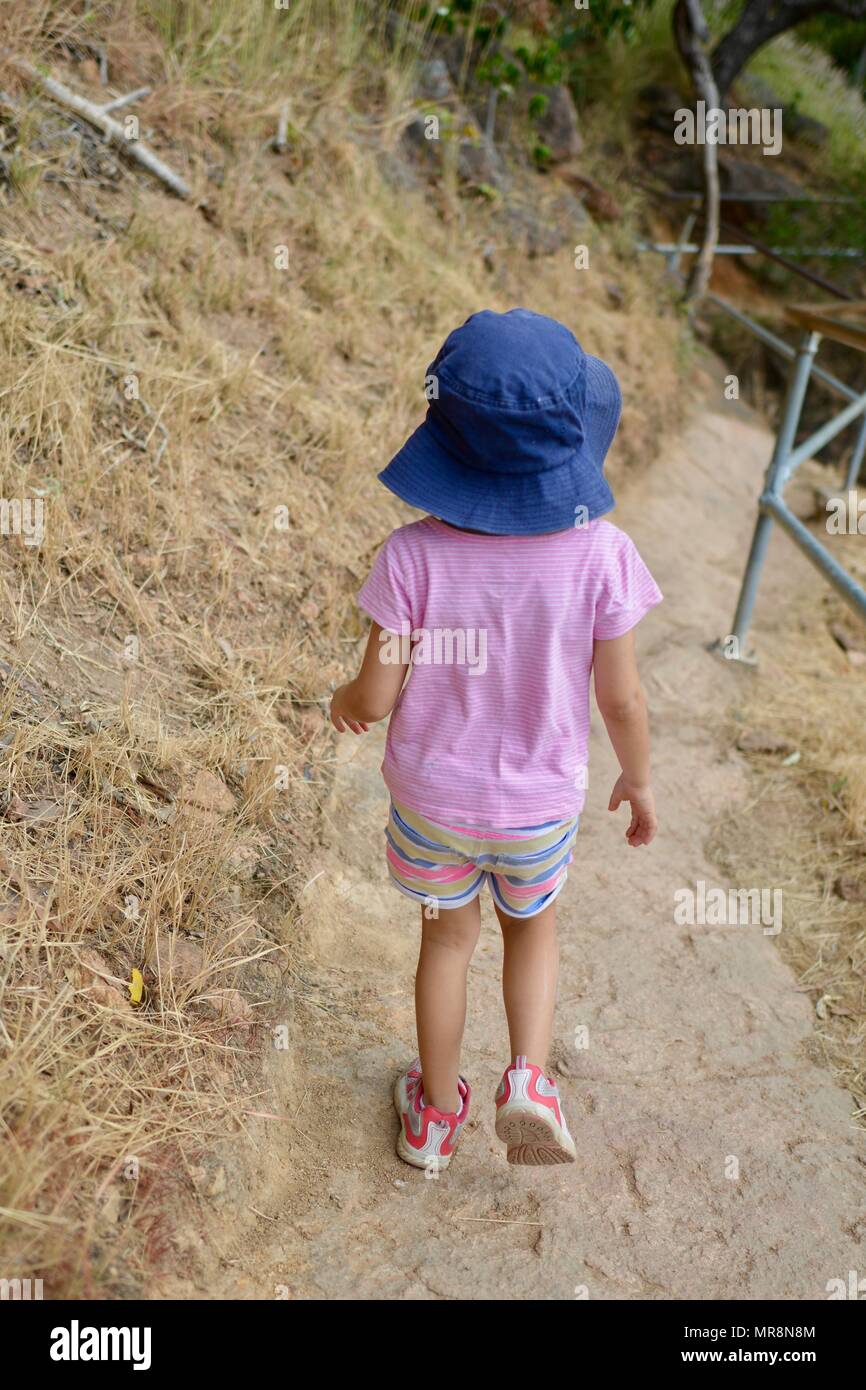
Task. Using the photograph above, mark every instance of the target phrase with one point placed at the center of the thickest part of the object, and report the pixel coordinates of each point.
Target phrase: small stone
(557, 125)
(600, 204)
(763, 741)
(849, 641)
(852, 890)
(231, 1008)
(209, 793)
(178, 958)
(217, 1185)
(242, 862)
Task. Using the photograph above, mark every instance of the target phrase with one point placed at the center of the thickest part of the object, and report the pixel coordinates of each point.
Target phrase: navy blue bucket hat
(519, 421)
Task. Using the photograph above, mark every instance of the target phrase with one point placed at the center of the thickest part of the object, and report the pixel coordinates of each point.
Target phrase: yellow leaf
(136, 987)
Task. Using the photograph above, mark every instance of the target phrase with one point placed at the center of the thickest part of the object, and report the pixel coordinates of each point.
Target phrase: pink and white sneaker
(428, 1137)
(529, 1116)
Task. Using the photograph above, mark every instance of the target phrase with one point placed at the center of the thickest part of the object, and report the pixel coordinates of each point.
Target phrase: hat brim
(428, 476)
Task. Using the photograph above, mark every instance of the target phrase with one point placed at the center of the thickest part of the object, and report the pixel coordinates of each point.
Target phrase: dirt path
(696, 1036)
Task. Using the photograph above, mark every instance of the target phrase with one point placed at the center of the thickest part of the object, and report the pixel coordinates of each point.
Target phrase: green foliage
(603, 18)
(843, 39)
(543, 54)
(541, 154)
(807, 80)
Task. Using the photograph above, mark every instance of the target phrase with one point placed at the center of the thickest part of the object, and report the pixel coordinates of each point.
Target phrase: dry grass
(804, 827)
(204, 431)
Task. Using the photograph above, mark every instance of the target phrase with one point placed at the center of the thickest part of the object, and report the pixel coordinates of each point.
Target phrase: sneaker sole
(533, 1138)
(436, 1163)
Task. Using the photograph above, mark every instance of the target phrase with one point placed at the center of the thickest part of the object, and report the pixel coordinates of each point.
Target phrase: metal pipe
(852, 592)
(783, 348)
(816, 441)
(689, 248)
(678, 194)
(812, 276)
(859, 449)
(798, 383)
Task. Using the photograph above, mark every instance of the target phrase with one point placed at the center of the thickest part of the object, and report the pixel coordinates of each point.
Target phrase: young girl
(499, 604)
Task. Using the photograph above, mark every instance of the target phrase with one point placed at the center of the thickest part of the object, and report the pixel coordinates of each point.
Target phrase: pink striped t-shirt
(491, 726)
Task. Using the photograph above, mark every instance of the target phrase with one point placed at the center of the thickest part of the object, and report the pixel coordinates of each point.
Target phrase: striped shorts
(446, 865)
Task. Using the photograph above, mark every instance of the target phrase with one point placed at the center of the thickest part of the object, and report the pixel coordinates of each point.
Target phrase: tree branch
(96, 116)
(762, 20)
(691, 34)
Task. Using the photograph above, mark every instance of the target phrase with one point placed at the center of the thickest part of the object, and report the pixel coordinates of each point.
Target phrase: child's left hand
(340, 718)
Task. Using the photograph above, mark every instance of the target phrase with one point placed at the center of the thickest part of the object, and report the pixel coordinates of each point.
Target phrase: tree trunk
(762, 20)
(691, 33)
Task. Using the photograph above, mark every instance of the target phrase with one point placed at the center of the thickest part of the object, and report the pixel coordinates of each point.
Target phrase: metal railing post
(856, 457)
(797, 386)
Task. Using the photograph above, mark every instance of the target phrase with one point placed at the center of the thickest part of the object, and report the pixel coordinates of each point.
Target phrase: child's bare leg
(530, 966)
(447, 943)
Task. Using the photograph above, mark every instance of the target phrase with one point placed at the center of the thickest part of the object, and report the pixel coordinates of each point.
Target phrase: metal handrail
(816, 321)
(784, 349)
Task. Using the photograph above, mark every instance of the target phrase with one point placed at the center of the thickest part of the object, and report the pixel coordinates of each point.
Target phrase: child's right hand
(644, 823)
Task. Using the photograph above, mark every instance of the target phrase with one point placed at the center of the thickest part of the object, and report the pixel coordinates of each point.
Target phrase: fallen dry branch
(97, 116)
(116, 102)
(281, 138)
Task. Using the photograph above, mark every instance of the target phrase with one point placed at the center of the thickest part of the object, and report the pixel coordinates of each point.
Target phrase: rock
(109, 1210)
(557, 125)
(434, 83)
(803, 501)
(662, 96)
(738, 175)
(537, 237)
(230, 1007)
(477, 158)
(242, 862)
(755, 92)
(37, 810)
(397, 172)
(177, 959)
(209, 794)
(754, 177)
(804, 127)
(217, 1185)
(659, 104)
(478, 161)
(599, 203)
(93, 974)
(763, 741)
(850, 641)
(262, 979)
(851, 889)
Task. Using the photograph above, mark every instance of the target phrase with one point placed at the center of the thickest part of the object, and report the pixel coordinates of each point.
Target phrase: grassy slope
(279, 392)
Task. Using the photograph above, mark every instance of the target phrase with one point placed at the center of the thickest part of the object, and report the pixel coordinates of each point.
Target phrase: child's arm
(373, 693)
(620, 699)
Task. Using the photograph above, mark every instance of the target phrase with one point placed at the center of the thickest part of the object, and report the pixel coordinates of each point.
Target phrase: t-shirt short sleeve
(385, 595)
(628, 591)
